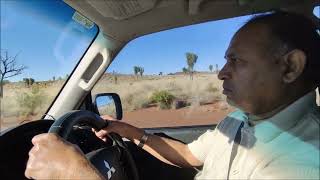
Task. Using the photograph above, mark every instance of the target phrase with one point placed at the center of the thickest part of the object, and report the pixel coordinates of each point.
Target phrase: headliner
(123, 20)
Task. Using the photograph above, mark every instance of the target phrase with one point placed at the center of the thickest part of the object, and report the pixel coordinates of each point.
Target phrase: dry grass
(136, 93)
(14, 95)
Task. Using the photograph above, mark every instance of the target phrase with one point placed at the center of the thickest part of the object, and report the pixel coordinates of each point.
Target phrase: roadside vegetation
(24, 101)
(165, 91)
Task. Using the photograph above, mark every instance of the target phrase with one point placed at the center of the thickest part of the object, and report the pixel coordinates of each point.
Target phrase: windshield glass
(170, 78)
(41, 42)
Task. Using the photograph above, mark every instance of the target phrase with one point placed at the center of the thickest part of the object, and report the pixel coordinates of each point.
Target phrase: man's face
(252, 80)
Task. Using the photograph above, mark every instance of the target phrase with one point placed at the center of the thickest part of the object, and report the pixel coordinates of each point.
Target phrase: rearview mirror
(108, 104)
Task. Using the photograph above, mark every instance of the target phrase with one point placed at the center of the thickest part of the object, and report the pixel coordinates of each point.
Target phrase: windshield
(41, 43)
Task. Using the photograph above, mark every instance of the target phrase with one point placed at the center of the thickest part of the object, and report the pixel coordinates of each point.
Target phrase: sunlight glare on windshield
(43, 40)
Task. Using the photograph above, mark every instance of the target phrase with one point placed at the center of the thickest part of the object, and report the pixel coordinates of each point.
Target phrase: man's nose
(225, 72)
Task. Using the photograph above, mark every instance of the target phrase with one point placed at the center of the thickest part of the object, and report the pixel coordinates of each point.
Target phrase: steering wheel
(112, 162)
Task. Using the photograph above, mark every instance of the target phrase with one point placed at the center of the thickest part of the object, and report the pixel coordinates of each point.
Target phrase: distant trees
(141, 71)
(115, 77)
(184, 70)
(8, 68)
(217, 68)
(210, 67)
(28, 81)
(138, 70)
(60, 78)
(191, 60)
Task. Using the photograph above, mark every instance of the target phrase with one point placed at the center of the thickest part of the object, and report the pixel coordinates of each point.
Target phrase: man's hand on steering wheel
(123, 129)
(54, 158)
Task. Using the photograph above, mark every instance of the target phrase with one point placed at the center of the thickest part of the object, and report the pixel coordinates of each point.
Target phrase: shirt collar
(268, 129)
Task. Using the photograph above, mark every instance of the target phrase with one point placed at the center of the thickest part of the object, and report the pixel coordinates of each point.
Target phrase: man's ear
(294, 63)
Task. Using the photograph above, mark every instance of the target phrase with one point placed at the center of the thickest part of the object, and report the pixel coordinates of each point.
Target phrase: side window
(169, 78)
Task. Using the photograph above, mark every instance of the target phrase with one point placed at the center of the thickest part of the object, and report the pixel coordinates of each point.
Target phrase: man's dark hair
(291, 31)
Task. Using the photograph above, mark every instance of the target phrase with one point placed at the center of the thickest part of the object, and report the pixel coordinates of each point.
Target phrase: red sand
(154, 117)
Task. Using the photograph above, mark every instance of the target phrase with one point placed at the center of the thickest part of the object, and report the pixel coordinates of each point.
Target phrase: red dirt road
(188, 116)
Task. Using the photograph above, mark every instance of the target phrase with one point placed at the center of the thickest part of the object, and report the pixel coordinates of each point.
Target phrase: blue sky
(46, 46)
(54, 50)
(165, 51)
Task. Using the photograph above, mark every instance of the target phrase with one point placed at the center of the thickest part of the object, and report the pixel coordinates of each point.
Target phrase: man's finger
(38, 138)
(28, 173)
(30, 164)
(45, 138)
(107, 118)
(102, 133)
(33, 150)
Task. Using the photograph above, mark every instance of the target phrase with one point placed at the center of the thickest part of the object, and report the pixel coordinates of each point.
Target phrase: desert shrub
(163, 98)
(211, 88)
(135, 101)
(31, 102)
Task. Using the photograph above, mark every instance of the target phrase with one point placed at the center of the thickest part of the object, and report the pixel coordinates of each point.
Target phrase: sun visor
(121, 9)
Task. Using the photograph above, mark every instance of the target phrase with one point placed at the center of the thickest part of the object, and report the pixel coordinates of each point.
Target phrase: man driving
(270, 76)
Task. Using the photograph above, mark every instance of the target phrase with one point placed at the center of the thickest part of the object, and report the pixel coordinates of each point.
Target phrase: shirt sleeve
(202, 146)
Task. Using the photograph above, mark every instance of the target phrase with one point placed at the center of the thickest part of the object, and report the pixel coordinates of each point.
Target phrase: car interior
(75, 110)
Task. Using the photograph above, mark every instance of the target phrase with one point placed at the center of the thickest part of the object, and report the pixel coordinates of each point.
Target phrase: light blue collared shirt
(284, 146)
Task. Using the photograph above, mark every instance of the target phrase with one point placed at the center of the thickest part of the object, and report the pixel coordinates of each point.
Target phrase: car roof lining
(123, 24)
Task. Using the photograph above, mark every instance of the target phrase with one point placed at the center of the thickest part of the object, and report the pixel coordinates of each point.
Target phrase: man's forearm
(166, 150)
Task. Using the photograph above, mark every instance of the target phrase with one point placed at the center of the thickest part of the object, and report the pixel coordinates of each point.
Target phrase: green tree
(136, 70)
(210, 67)
(217, 68)
(115, 77)
(141, 71)
(31, 81)
(184, 70)
(28, 81)
(191, 60)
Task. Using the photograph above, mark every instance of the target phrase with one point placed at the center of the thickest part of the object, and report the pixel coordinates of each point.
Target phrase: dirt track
(153, 117)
